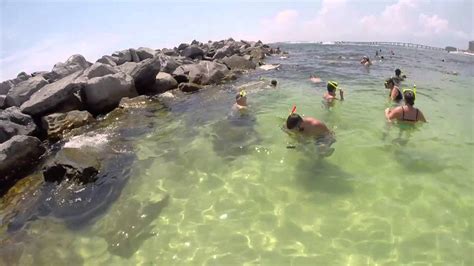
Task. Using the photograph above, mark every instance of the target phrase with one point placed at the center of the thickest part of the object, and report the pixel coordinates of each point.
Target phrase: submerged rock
(72, 164)
(18, 155)
(103, 94)
(13, 122)
(58, 124)
(189, 87)
(50, 96)
(21, 92)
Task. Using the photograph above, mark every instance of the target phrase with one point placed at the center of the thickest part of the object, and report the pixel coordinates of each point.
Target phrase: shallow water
(205, 190)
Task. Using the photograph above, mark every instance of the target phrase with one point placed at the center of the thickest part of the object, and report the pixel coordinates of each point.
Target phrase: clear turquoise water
(238, 196)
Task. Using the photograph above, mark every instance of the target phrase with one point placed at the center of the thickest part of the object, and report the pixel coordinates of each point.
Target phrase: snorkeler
(273, 83)
(365, 61)
(330, 95)
(395, 94)
(406, 113)
(398, 78)
(240, 102)
(308, 126)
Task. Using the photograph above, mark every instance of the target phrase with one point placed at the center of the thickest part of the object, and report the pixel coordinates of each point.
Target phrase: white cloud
(433, 24)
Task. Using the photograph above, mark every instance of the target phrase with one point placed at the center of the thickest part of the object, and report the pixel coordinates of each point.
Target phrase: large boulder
(48, 98)
(13, 122)
(22, 91)
(257, 54)
(123, 56)
(169, 52)
(102, 94)
(189, 87)
(8, 84)
(164, 82)
(72, 164)
(227, 50)
(237, 62)
(134, 55)
(193, 52)
(144, 74)
(182, 46)
(74, 64)
(18, 155)
(99, 70)
(108, 60)
(203, 73)
(59, 123)
(2, 101)
(168, 64)
(145, 53)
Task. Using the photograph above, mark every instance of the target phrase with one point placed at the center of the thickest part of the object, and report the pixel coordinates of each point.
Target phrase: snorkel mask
(333, 85)
(412, 90)
(242, 94)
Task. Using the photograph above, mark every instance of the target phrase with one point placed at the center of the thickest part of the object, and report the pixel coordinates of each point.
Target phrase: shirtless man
(330, 95)
(240, 104)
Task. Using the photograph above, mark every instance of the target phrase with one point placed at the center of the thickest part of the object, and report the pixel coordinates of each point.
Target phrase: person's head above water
(332, 86)
(389, 83)
(241, 98)
(273, 82)
(294, 121)
(398, 72)
(409, 97)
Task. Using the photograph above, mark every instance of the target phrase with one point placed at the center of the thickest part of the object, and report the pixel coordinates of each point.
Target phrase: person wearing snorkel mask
(330, 95)
(240, 101)
(365, 61)
(406, 113)
(395, 94)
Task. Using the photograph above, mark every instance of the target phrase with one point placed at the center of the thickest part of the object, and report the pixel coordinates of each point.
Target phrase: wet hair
(293, 121)
(273, 82)
(390, 80)
(398, 72)
(409, 97)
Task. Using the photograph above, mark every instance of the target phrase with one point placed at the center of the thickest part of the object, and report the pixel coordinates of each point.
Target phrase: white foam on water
(96, 140)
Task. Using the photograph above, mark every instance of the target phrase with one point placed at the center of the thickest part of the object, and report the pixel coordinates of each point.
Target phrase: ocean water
(205, 189)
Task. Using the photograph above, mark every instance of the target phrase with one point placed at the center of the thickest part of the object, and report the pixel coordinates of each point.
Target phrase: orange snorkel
(293, 109)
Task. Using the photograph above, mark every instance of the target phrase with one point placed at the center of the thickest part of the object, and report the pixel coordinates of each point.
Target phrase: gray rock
(170, 52)
(99, 70)
(257, 54)
(145, 53)
(165, 82)
(72, 164)
(189, 87)
(203, 73)
(193, 52)
(168, 64)
(13, 122)
(123, 56)
(2, 101)
(103, 94)
(50, 96)
(182, 46)
(236, 62)
(57, 124)
(8, 84)
(227, 50)
(108, 60)
(17, 156)
(134, 55)
(136, 102)
(22, 91)
(74, 64)
(144, 74)
(127, 67)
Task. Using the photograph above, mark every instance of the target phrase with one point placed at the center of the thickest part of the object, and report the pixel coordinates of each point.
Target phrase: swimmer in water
(398, 78)
(395, 94)
(315, 79)
(273, 83)
(330, 95)
(365, 61)
(240, 104)
(406, 113)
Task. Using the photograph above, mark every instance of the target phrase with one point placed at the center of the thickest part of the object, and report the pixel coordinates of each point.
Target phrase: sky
(34, 35)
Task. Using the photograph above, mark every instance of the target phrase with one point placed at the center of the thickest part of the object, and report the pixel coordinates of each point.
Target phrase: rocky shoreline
(39, 109)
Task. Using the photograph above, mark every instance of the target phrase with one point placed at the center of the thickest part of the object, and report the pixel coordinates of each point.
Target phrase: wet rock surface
(60, 123)
(13, 122)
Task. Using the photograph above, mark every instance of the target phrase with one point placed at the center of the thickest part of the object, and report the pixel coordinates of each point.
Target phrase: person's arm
(391, 114)
(341, 94)
(394, 94)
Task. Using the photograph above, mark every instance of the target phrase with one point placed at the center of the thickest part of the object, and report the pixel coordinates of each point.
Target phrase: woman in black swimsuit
(395, 94)
(406, 113)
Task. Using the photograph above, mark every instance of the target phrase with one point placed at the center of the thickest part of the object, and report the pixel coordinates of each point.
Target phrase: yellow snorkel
(412, 90)
(242, 93)
(333, 85)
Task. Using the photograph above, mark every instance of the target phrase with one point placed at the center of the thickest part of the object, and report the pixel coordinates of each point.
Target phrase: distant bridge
(402, 44)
